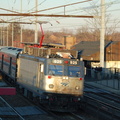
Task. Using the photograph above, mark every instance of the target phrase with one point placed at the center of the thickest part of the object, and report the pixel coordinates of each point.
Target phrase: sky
(83, 8)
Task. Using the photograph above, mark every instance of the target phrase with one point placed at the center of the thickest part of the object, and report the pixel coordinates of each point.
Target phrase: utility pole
(1, 37)
(102, 34)
(21, 25)
(3, 41)
(7, 35)
(12, 34)
(36, 28)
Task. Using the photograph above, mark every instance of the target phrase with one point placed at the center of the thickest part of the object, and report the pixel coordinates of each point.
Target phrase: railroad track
(68, 116)
(78, 117)
(22, 108)
(113, 97)
(104, 104)
(27, 109)
(12, 113)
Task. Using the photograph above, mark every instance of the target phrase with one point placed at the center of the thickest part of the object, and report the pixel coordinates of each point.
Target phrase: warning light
(49, 77)
(66, 62)
(80, 79)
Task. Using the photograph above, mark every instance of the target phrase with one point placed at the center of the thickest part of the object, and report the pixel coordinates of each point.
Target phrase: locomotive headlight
(79, 99)
(76, 87)
(65, 77)
(47, 97)
(51, 86)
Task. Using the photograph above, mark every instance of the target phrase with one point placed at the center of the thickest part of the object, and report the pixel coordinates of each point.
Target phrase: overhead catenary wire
(74, 10)
(9, 10)
(26, 18)
(62, 6)
(38, 5)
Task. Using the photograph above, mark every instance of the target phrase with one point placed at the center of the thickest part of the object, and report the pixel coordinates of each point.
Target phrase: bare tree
(83, 34)
(94, 24)
(16, 31)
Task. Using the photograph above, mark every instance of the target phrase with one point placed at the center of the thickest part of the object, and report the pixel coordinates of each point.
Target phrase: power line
(38, 5)
(68, 5)
(56, 7)
(79, 27)
(92, 7)
(9, 10)
(113, 10)
(75, 10)
(62, 6)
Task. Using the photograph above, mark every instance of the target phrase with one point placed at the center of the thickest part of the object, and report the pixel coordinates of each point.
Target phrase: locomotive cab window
(55, 70)
(74, 71)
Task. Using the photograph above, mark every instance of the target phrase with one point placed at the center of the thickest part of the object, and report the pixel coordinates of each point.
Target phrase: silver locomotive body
(51, 75)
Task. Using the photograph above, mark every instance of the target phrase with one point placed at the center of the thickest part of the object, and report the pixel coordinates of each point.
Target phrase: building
(68, 41)
(90, 52)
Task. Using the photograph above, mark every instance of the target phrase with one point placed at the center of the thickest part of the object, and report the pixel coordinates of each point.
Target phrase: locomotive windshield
(55, 70)
(74, 71)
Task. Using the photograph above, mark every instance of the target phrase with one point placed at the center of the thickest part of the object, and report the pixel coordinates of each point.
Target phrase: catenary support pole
(36, 28)
(21, 25)
(102, 34)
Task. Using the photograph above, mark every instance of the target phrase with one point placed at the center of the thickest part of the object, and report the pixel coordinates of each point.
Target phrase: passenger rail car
(8, 61)
(53, 78)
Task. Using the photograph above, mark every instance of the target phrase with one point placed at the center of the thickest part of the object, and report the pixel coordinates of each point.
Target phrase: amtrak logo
(64, 84)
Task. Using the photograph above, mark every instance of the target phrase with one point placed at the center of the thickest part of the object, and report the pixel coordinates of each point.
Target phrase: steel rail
(12, 108)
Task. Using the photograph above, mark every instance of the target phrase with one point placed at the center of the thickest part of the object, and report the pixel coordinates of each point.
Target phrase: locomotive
(51, 76)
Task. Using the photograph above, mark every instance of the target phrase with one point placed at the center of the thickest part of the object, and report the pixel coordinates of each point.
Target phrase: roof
(11, 50)
(2, 47)
(45, 44)
(87, 48)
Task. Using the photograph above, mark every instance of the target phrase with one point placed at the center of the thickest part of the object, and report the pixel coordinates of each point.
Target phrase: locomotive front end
(64, 81)
(65, 76)
(54, 78)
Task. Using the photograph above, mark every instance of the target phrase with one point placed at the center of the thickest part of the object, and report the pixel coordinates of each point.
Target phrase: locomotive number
(57, 61)
(73, 62)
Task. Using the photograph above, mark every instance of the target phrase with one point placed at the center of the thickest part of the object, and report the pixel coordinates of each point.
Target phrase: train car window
(19, 49)
(55, 70)
(74, 71)
(9, 48)
(14, 49)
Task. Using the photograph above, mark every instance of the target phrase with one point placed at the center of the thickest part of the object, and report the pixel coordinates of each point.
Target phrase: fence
(109, 77)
